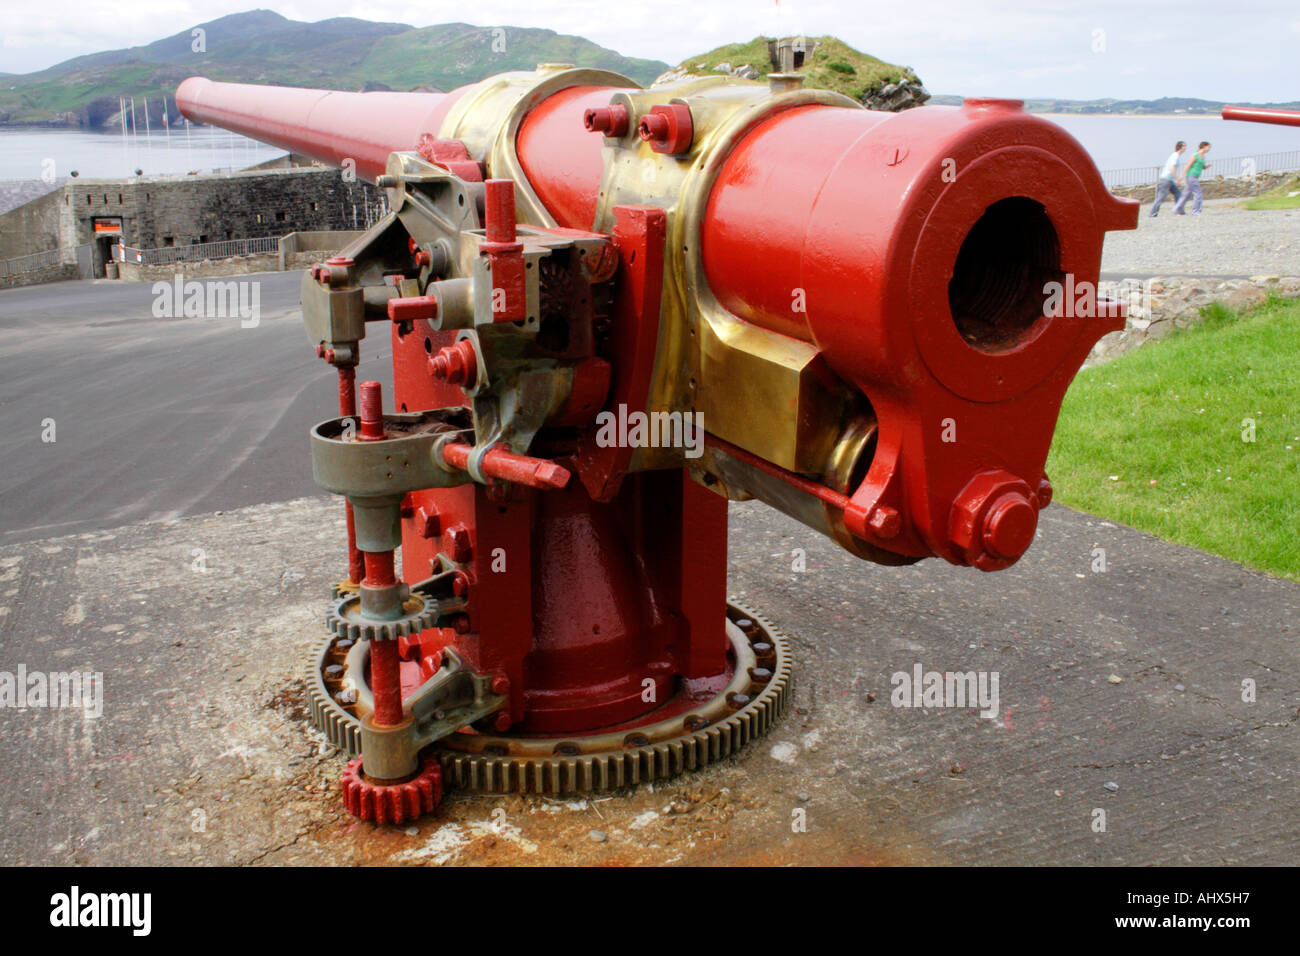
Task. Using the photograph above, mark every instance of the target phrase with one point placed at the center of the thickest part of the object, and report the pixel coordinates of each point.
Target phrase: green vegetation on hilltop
(832, 65)
(1195, 439)
(453, 54)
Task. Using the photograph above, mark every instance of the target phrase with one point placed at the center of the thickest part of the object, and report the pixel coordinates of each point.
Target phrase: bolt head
(1044, 493)
(885, 522)
(427, 521)
(1009, 526)
(457, 540)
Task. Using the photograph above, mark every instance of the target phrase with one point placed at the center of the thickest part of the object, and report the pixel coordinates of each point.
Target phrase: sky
(1230, 50)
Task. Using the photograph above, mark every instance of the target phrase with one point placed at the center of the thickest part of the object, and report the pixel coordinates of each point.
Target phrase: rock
(746, 72)
(1112, 786)
(894, 97)
(722, 68)
(598, 835)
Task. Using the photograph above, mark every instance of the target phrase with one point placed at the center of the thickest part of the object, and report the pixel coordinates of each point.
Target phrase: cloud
(1204, 48)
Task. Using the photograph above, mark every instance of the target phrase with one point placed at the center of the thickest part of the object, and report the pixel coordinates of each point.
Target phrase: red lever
(506, 465)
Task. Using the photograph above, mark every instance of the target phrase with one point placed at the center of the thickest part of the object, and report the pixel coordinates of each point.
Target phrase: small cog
(345, 619)
(392, 802)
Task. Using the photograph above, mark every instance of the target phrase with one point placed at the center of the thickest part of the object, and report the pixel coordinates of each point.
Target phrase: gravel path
(1225, 240)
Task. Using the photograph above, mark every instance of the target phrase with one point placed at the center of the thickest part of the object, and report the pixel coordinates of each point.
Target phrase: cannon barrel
(327, 125)
(1256, 114)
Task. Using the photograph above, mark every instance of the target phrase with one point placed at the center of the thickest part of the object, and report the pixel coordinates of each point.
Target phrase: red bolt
(460, 584)
(456, 364)
(458, 543)
(653, 126)
(1044, 493)
(430, 664)
(412, 308)
(502, 722)
(611, 120)
(325, 273)
(668, 128)
(460, 624)
(1009, 526)
(372, 411)
(427, 521)
(885, 522)
(500, 684)
(421, 258)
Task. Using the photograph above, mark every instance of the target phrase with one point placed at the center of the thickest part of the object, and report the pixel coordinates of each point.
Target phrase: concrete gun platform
(1130, 677)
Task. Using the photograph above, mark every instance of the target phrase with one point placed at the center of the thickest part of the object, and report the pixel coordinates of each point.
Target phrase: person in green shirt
(1192, 174)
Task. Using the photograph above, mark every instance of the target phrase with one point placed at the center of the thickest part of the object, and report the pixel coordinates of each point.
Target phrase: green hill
(260, 46)
(827, 63)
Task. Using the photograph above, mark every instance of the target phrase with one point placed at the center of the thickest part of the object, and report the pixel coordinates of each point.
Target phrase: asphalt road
(155, 418)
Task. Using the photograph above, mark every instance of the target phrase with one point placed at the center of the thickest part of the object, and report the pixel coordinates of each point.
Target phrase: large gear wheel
(745, 709)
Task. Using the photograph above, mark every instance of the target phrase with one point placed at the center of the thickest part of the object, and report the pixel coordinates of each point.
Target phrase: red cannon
(1259, 114)
(611, 310)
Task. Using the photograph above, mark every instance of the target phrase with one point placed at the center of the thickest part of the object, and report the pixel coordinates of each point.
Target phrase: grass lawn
(1195, 439)
(1286, 196)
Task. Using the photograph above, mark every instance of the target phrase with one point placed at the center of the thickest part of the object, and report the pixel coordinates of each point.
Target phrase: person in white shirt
(1167, 183)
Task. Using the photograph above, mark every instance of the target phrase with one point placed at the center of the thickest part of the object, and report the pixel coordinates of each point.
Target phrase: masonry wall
(33, 227)
(37, 276)
(156, 212)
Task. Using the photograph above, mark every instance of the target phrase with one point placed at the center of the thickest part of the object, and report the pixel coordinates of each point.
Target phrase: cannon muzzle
(1256, 114)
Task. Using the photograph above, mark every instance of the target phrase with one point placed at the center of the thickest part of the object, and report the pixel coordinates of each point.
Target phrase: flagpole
(148, 136)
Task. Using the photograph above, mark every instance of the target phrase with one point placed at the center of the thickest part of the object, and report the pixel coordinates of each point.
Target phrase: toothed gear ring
(345, 619)
(756, 695)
